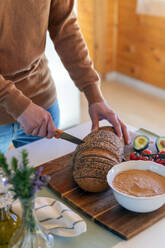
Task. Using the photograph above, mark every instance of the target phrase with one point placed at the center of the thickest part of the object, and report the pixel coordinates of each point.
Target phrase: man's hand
(37, 122)
(99, 111)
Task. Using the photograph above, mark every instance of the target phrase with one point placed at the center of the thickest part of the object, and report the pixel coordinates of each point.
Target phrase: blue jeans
(14, 133)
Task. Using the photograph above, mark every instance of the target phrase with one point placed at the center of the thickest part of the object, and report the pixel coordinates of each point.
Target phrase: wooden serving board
(100, 207)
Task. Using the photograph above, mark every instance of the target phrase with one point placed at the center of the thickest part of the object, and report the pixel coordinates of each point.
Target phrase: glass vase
(31, 234)
(9, 221)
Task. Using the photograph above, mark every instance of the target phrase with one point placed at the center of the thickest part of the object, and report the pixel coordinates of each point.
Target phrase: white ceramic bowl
(133, 203)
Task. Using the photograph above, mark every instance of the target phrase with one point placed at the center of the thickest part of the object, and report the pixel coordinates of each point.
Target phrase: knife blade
(66, 136)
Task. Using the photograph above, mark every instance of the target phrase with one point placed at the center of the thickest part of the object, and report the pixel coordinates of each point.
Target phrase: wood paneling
(86, 19)
(134, 52)
(121, 40)
(140, 45)
(149, 75)
(105, 29)
(99, 31)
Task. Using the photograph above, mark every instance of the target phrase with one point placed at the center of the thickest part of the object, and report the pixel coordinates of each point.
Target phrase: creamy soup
(139, 183)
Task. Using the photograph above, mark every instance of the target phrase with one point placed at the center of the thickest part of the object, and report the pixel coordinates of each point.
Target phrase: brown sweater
(24, 73)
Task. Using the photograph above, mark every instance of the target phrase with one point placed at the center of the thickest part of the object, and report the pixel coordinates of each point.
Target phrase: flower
(25, 181)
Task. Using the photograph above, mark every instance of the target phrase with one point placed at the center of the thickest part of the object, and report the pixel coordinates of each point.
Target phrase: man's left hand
(101, 110)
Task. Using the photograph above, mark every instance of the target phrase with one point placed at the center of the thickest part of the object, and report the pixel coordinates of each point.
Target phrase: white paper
(151, 7)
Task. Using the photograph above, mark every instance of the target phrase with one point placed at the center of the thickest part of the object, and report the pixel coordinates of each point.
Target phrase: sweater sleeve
(12, 99)
(70, 45)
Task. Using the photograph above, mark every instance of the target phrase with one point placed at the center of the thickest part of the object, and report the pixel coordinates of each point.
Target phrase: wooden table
(96, 235)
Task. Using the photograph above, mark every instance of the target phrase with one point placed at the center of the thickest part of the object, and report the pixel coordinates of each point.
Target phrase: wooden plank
(96, 19)
(60, 170)
(56, 165)
(141, 73)
(104, 33)
(145, 54)
(127, 4)
(93, 204)
(146, 63)
(85, 19)
(127, 9)
(127, 224)
(115, 33)
(141, 45)
(142, 34)
(60, 183)
(126, 14)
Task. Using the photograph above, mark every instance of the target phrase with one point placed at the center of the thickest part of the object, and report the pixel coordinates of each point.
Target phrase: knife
(68, 137)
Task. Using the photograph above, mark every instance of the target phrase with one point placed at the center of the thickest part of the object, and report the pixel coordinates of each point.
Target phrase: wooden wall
(86, 22)
(141, 44)
(121, 40)
(97, 22)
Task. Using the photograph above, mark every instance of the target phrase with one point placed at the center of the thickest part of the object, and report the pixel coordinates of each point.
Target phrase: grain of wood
(110, 25)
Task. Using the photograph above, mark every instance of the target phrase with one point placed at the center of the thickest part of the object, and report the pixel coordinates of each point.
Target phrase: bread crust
(93, 159)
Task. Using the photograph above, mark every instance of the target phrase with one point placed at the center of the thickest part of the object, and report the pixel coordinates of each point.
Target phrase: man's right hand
(37, 122)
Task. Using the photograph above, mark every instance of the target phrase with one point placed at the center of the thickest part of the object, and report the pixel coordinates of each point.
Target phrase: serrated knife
(66, 136)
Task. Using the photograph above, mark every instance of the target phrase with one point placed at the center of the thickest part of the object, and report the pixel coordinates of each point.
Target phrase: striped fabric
(56, 217)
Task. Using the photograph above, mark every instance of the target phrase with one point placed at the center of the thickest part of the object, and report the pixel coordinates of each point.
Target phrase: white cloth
(56, 217)
(151, 7)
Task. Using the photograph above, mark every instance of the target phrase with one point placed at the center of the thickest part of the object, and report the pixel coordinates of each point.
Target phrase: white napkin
(56, 217)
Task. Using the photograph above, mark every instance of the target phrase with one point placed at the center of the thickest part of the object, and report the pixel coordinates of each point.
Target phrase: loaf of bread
(93, 159)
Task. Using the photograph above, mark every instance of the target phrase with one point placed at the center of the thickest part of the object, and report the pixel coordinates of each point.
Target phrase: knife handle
(58, 133)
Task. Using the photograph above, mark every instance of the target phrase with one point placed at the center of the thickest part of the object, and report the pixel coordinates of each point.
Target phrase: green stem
(28, 214)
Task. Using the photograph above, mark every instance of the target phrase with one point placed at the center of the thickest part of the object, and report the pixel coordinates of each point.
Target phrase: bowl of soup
(138, 186)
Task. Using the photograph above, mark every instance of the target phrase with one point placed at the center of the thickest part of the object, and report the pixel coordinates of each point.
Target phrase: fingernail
(129, 141)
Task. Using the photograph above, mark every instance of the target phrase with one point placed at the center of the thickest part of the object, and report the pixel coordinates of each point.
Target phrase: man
(28, 105)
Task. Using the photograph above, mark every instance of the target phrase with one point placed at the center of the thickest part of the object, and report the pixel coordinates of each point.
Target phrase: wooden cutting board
(100, 207)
